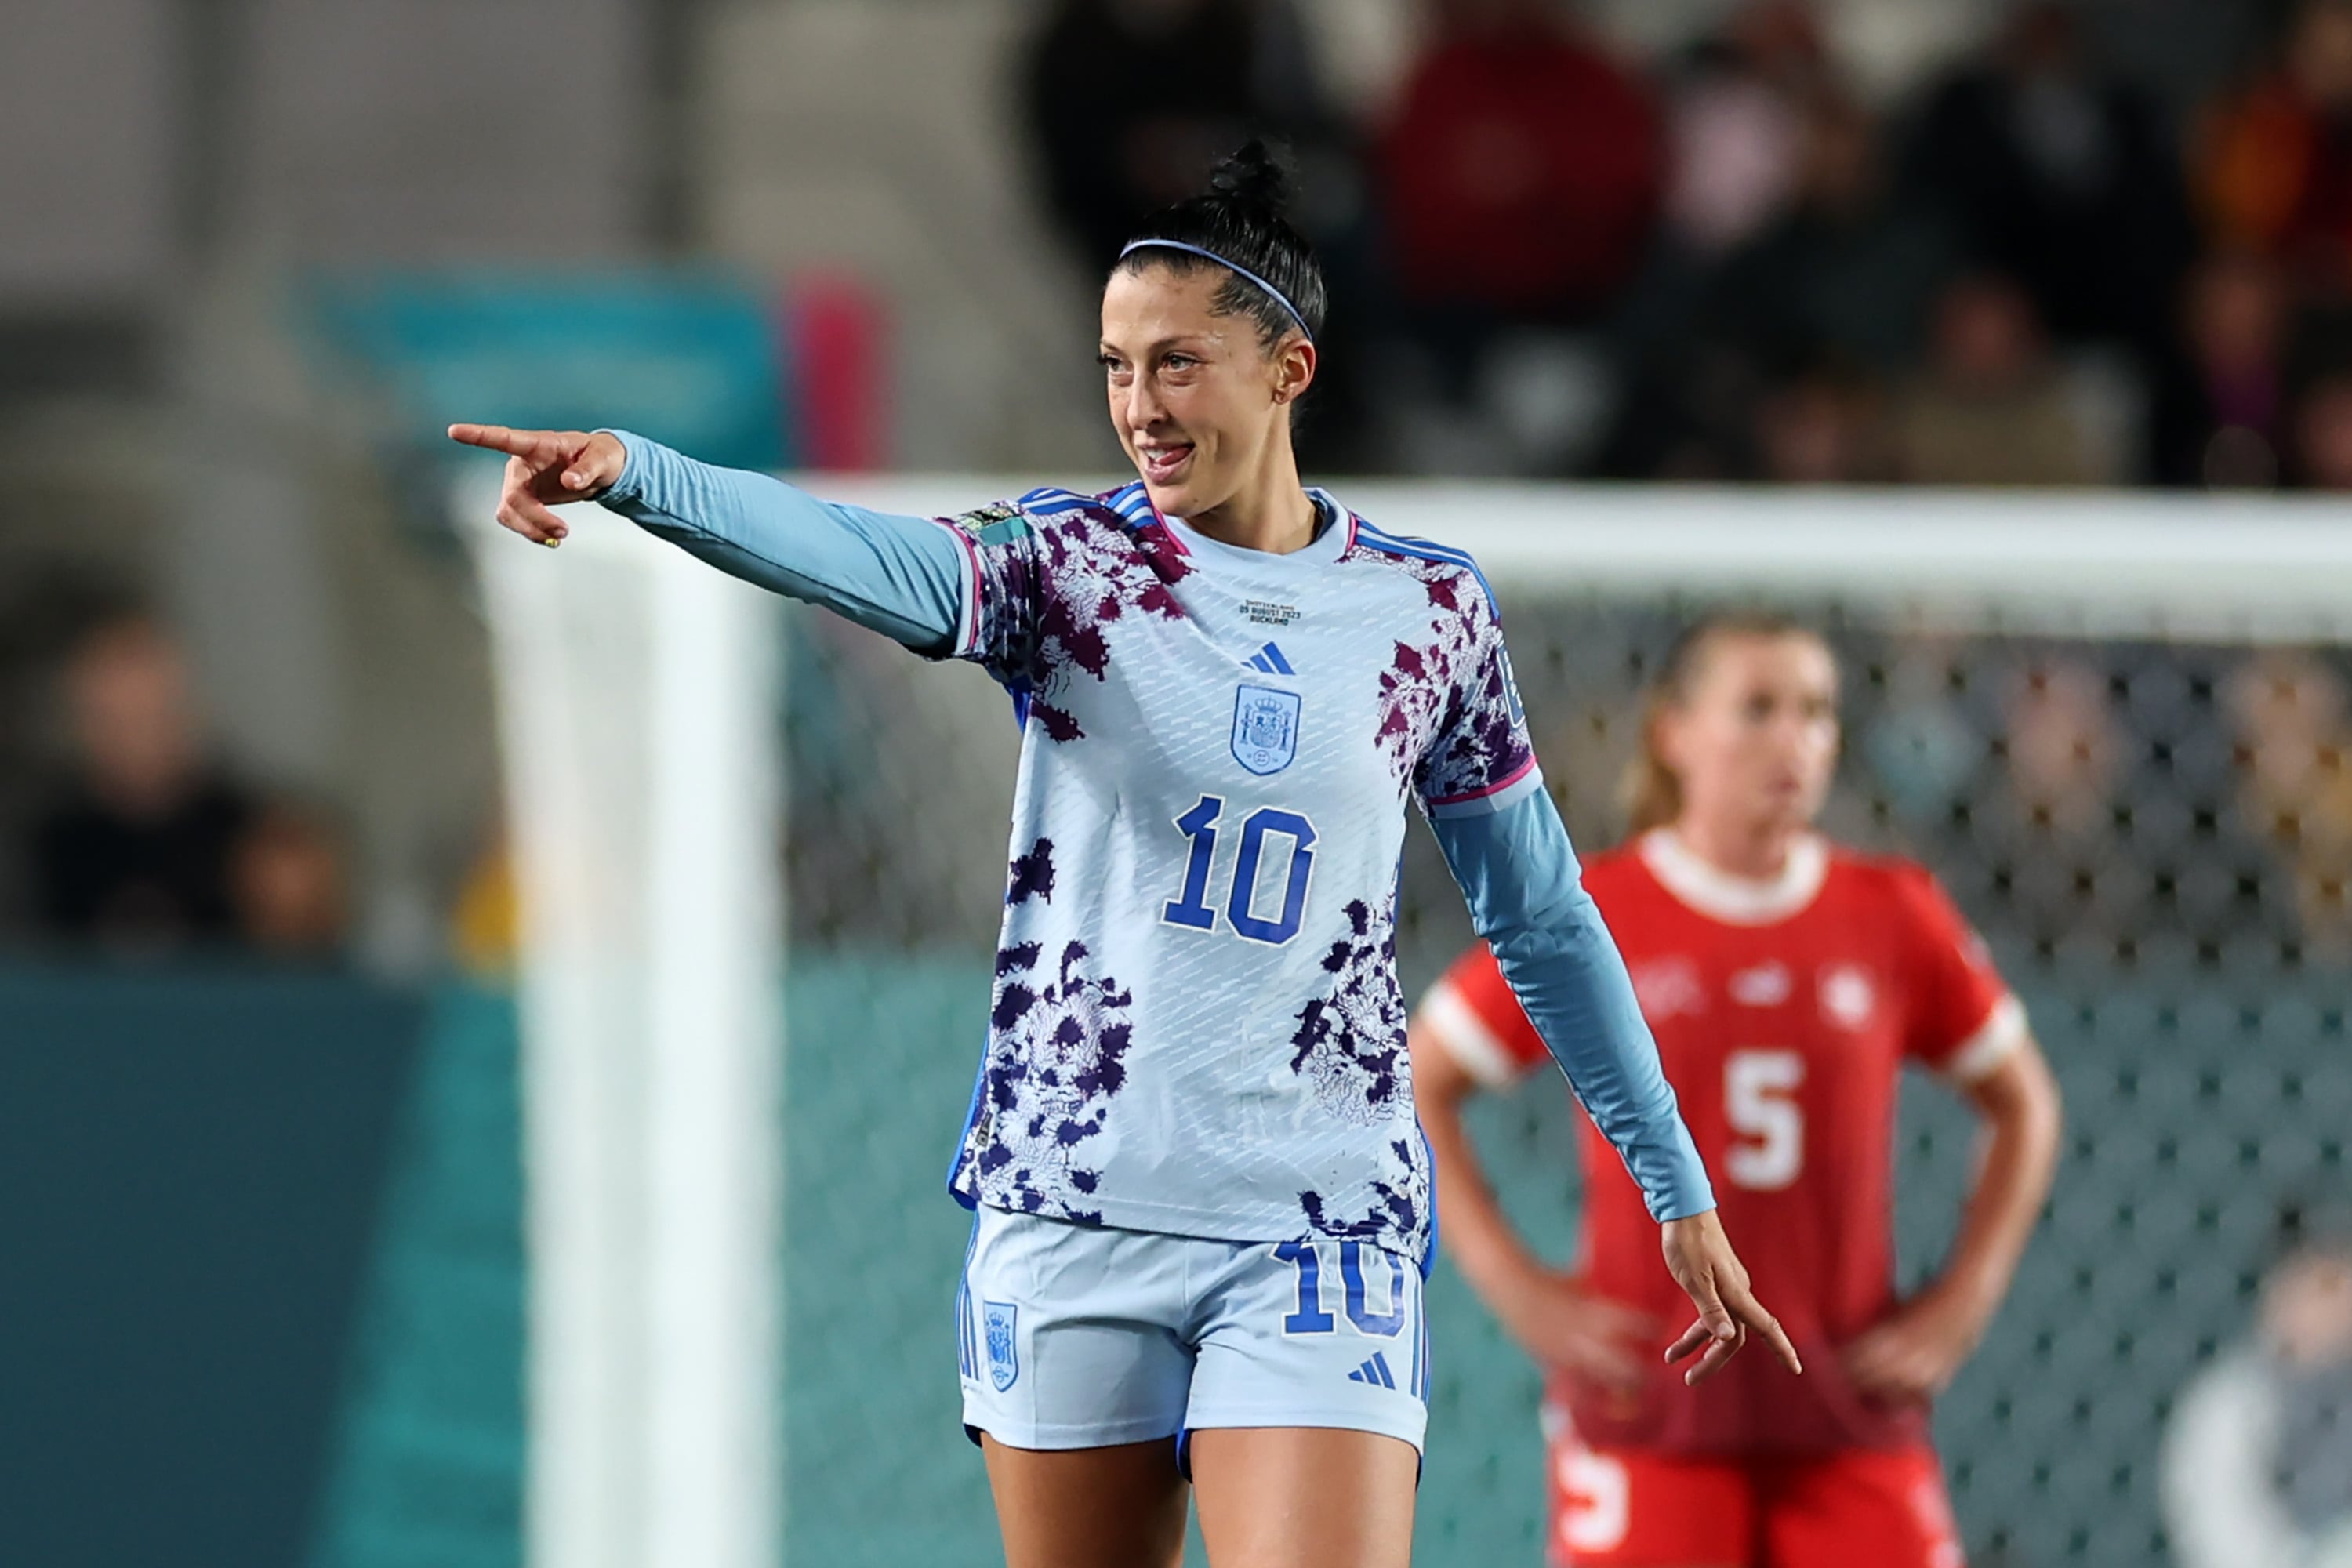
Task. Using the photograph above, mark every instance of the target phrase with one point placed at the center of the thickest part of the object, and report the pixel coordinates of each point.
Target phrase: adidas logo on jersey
(1375, 1371)
(1270, 660)
(1766, 986)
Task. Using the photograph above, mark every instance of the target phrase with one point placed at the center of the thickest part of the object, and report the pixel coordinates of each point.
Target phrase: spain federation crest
(1000, 1319)
(1266, 729)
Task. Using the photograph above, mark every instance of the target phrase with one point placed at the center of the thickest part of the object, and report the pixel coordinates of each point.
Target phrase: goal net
(2115, 726)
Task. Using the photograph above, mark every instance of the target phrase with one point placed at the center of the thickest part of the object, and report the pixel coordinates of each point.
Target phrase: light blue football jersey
(1195, 1025)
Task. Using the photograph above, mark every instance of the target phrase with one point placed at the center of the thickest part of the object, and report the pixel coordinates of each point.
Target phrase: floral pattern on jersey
(1483, 744)
(1450, 714)
(1350, 1045)
(1416, 692)
(1396, 1215)
(1031, 876)
(1054, 582)
(1057, 1050)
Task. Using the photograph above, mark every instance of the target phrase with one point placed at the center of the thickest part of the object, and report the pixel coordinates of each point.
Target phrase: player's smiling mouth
(1163, 463)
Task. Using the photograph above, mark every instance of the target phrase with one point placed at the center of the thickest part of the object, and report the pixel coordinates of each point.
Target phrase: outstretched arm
(1526, 898)
(902, 576)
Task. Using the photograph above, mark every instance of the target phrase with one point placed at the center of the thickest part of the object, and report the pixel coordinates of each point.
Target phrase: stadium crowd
(1733, 264)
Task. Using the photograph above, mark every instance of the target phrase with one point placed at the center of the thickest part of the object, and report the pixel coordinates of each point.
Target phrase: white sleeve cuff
(1466, 1038)
(1980, 1055)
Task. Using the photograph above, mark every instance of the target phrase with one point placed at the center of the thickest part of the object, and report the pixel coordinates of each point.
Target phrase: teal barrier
(429, 1470)
(193, 1165)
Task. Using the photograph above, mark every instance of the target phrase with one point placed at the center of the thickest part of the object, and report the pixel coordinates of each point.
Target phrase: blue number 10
(1200, 826)
(1190, 906)
(1311, 1318)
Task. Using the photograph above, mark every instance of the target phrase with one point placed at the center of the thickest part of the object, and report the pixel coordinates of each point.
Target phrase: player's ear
(1294, 369)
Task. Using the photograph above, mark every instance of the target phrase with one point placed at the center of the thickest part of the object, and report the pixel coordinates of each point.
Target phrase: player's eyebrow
(1177, 341)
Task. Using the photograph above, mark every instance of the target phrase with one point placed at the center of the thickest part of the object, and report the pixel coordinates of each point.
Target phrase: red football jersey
(1784, 1013)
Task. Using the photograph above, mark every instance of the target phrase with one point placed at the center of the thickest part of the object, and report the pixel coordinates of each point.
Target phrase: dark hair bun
(1237, 223)
(1252, 178)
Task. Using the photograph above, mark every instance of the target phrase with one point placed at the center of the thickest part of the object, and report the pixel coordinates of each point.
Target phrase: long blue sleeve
(1526, 898)
(901, 576)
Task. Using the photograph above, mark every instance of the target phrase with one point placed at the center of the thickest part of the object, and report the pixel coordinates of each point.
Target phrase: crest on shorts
(1266, 728)
(999, 1319)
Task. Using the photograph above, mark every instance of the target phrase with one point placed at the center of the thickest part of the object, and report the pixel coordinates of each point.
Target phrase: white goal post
(638, 705)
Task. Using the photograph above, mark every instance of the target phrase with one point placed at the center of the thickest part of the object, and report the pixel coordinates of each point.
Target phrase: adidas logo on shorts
(1375, 1371)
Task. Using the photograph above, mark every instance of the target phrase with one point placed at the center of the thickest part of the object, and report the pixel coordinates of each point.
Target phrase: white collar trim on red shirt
(1737, 901)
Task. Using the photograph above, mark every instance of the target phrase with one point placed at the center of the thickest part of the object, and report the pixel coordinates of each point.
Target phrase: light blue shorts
(1080, 1337)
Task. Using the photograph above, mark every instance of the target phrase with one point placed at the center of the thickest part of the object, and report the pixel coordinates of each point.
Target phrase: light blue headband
(1275, 294)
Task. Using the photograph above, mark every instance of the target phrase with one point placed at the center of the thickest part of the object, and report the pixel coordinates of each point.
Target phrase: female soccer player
(1788, 981)
(1202, 1202)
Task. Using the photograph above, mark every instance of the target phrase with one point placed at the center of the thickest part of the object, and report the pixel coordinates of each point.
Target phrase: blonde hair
(1651, 791)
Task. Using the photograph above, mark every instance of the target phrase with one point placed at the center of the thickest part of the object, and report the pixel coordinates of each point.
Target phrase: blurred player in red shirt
(1788, 981)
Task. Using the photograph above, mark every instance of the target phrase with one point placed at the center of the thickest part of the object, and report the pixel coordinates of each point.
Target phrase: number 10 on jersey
(1190, 906)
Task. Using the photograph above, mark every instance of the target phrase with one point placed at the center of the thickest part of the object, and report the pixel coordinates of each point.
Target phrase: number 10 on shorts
(1310, 1257)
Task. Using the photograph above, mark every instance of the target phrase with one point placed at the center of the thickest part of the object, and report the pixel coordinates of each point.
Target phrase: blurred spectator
(1521, 175)
(2257, 1461)
(2323, 434)
(1736, 125)
(1852, 267)
(2297, 786)
(285, 881)
(137, 852)
(2220, 412)
(1820, 430)
(148, 847)
(1990, 408)
(2062, 747)
(1835, 293)
(1115, 149)
(2276, 172)
(2065, 178)
(2054, 826)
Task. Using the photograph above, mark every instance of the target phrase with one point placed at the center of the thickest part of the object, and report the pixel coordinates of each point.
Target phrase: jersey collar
(1737, 901)
(1335, 534)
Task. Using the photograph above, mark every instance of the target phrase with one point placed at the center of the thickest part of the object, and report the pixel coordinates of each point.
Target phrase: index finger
(498, 438)
(1750, 1312)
